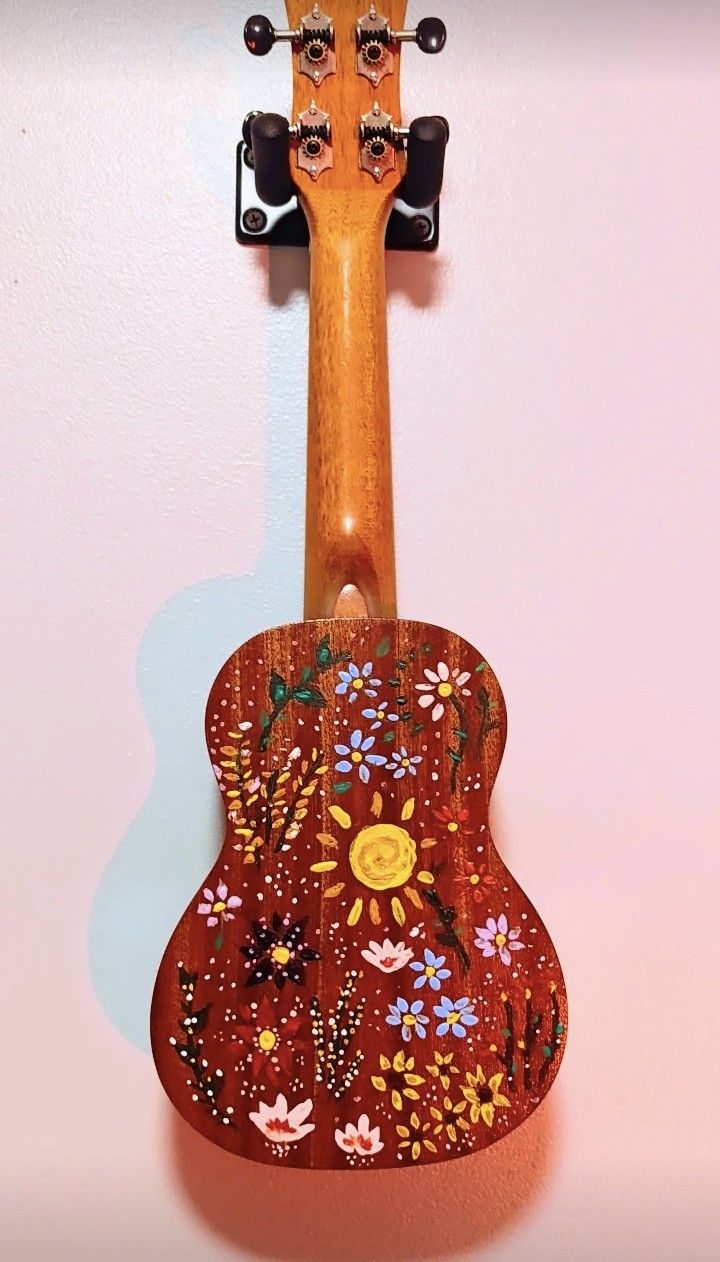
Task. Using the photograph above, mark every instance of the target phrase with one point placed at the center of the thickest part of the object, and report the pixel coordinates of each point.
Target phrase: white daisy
(441, 686)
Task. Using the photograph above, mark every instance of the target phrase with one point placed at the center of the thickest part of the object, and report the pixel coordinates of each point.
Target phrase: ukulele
(360, 982)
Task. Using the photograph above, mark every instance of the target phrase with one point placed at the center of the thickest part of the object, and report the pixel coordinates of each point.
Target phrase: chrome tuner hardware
(379, 142)
(314, 141)
(376, 42)
(427, 140)
(314, 40)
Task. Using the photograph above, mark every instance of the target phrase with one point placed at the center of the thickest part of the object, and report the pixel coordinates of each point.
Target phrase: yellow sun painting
(383, 857)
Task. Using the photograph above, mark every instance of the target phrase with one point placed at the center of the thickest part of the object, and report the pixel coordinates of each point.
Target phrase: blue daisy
(354, 681)
(454, 1016)
(431, 971)
(409, 1017)
(357, 754)
(380, 715)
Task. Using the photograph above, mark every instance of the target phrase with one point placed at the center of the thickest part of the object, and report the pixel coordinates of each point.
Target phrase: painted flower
(414, 1137)
(279, 952)
(218, 906)
(431, 970)
(281, 1126)
(454, 820)
(443, 1068)
(359, 1139)
(401, 764)
(383, 857)
(409, 1017)
(398, 1079)
(267, 1040)
(477, 877)
(441, 687)
(449, 1118)
(380, 715)
(454, 1016)
(497, 939)
(484, 1097)
(354, 681)
(387, 958)
(357, 754)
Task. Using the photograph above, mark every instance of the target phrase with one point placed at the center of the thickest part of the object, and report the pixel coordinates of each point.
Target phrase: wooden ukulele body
(360, 982)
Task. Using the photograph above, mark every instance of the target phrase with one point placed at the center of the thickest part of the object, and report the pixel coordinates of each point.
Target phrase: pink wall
(556, 394)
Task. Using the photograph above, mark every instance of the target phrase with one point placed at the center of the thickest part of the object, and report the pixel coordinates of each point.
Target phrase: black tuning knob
(271, 153)
(431, 35)
(260, 35)
(427, 140)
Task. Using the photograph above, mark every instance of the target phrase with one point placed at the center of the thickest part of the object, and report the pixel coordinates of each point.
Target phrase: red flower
(454, 820)
(478, 877)
(270, 1040)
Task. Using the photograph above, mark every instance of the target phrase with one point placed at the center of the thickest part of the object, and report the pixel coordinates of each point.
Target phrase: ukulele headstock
(344, 150)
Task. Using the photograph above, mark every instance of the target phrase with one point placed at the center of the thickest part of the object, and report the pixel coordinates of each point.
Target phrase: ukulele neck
(349, 538)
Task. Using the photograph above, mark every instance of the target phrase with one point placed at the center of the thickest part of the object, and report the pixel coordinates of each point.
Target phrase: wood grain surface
(349, 517)
(360, 981)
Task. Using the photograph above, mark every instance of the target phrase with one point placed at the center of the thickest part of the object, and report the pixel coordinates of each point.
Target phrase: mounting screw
(422, 227)
(256, 220)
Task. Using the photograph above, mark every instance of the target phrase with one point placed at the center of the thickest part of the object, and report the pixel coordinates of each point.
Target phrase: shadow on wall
(404, 1215)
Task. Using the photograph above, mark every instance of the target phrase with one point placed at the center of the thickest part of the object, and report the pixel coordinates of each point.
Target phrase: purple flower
(409, 1017)
(354, 681)
(218, 905)
(497, 939)
(402, 764)
(357, 754)
(454, 1016)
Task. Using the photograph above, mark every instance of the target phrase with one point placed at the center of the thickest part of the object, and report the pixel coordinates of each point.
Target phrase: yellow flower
(443, 1068)
(398, 1078)
(484, 1097)
(414, 1137)
(383, 856)
(449, 1119)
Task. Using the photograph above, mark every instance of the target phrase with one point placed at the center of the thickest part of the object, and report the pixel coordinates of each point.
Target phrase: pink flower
(497, 939)
(218, 905)
(280, 1126)
(387, 958)
(359, 1139)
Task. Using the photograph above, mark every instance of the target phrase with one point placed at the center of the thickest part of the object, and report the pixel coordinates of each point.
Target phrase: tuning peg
(426, 140)
(314, 41)
(430, 35)
(260, 35)
(377, 43)
(269, 138)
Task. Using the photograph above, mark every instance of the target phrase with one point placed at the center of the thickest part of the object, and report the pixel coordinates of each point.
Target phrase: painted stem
(456, 756)
(447, 916)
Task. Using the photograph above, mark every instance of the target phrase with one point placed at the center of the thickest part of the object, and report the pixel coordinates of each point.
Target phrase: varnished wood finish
(349, 518)
(407, 857)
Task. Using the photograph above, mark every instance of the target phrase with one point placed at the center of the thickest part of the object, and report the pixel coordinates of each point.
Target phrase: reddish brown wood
(406, 857)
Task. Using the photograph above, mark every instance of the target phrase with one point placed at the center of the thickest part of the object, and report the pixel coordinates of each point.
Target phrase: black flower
(279, 953)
